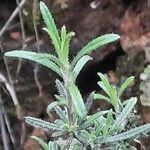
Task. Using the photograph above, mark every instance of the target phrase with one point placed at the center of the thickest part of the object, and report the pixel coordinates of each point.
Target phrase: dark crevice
(88, 78)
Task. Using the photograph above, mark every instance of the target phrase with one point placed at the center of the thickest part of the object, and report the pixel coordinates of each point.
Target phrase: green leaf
(103, 87)
(54, 105)
(127, 135)
(110, 91)
(61, 89)
(124, 114)
(65, 46)
(105, 83)
(77, 100)
(35, 57)
(114, 98)
(89, 102)
(100, 96)
(51, 26)
(90, 119)
(125, 85)
(38, 123)
(52, 145)
(108, 121)
(63, 37)
(94, 44)
(61, 114)
(41, 142)
(59, 133)
(80, 64)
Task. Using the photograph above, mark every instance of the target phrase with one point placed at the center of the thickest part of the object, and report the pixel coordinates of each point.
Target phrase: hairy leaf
(125, 85)
(53, 105)
(100, 96)
(94, 44)
(61, 114)
(89, 102)
(127, 135)
(59, 133)
(52, 145)
(51, 26)
(41, 142)
(61, 89)
(77, 100)
(124, 114)
(35, 57)
(90, 120)
(80, 64)
(38, 123)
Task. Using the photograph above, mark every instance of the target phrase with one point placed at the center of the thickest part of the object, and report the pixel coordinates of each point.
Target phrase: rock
(135, 28)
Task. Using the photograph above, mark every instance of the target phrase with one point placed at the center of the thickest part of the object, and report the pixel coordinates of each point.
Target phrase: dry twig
(11, 18)
(36, 69)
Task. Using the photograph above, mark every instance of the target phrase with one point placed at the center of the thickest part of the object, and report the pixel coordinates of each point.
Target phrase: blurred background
(27, 88)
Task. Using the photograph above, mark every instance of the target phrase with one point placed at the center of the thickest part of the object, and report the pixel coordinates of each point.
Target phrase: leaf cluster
(75, 127)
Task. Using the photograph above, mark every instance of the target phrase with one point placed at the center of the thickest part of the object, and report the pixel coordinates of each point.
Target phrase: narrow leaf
(51, 26)
(100, 96)
(52, 145)
(41, 142)
(53, 105)
(94, 44)
(105, 82)
(125, 85)
(34, 57)
(59, 133)
(61, 114)
(77, 100)
(124, 114)
(38, 123)
(89, 102)
(80, 64)
(61, 89)
(127, 135)
(90, 120)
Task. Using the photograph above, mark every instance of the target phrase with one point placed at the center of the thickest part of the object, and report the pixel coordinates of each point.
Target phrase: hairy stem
(66, 79)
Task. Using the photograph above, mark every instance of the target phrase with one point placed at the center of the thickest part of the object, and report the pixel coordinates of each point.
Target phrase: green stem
(66, 79)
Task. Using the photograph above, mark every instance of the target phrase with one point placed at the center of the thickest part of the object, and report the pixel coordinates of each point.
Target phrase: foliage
(76, 128)
(145, 86)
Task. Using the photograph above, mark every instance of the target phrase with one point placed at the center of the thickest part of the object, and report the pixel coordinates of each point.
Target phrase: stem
(66, 79)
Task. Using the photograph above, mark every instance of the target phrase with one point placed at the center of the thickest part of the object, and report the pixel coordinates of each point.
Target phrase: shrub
(76, 128)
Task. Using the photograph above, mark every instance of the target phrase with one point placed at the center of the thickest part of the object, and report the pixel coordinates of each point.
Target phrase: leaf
(102, 86)
(127, 135)
(34, 57)
(65, 44)
(61, 89)
(94, 44)
(52, 145)
(63, 37)
(108, 121)
(110, 90)
(100, 96)
(89, 102)
(90, 120)
(59, 133)
(51, 26)
(38, 123)
(114, 98)
(105, 82)
(124, 114)
(61, 114)
(79, 65)
(77, 100)
(125, 85)
(53, 105)
(41, 142)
